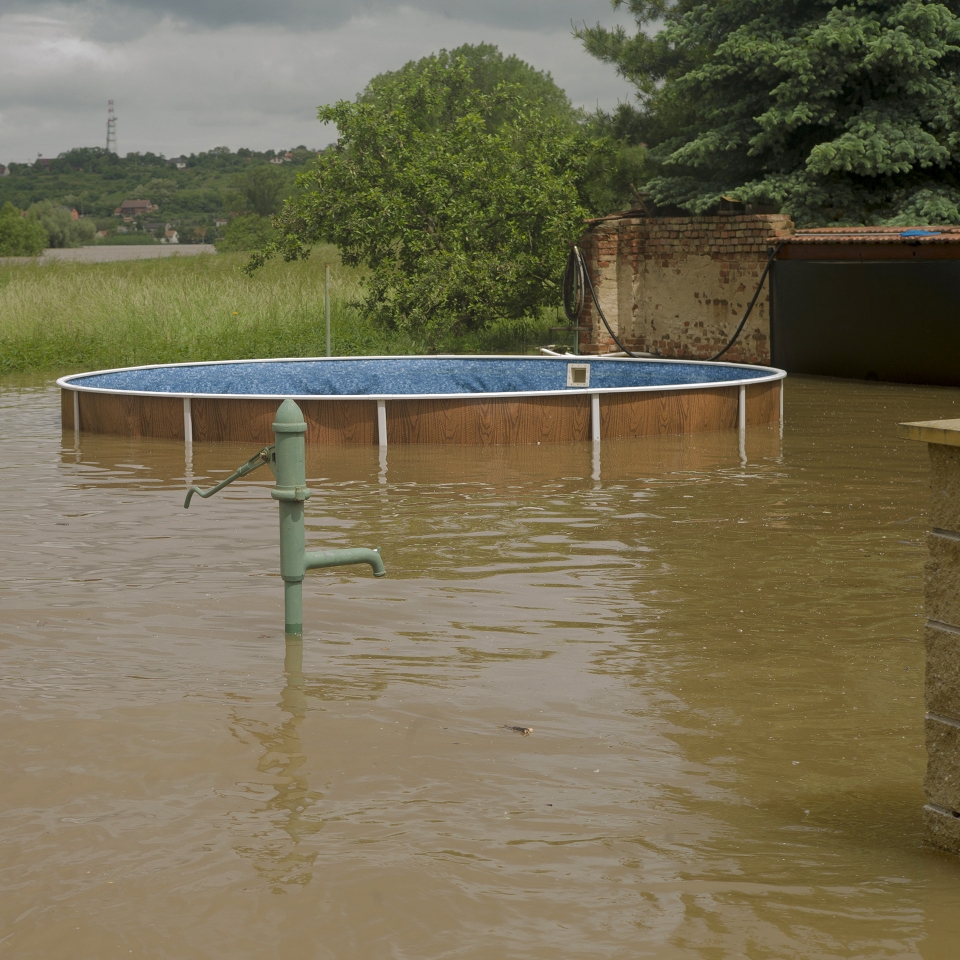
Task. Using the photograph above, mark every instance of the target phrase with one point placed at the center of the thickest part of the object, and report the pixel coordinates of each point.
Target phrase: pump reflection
(291, 811)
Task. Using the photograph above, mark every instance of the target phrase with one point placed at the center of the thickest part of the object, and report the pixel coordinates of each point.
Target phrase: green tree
(250, 232)
(62, 230)
(835, 112)
(459, 224)
(160, 190)
(620, 159)
(486, 70)
(263, 188)
(617, 161)
(20, 236)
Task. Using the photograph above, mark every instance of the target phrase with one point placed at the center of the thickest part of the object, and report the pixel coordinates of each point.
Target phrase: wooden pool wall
(479, 421)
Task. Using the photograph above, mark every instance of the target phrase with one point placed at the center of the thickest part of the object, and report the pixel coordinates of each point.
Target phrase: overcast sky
(188, 75)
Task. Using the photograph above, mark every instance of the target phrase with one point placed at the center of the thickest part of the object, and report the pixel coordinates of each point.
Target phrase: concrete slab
(946, 432)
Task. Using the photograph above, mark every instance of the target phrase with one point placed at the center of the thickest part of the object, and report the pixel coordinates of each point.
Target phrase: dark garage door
(893, 320)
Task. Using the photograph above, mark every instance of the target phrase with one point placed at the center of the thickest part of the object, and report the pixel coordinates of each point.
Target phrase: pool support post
(287, 460)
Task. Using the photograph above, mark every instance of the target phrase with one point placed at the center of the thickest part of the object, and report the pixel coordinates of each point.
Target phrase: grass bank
(86, 316)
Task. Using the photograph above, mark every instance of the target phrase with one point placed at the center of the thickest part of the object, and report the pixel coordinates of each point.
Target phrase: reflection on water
(720, 658)
(280, 860)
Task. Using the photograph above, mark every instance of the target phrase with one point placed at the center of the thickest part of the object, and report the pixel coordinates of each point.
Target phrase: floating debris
(523, 731)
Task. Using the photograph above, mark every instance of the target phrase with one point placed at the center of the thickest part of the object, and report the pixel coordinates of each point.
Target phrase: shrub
(20, 236)
(251, 232)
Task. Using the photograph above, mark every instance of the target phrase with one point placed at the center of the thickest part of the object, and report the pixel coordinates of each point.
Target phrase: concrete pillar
(942, 592)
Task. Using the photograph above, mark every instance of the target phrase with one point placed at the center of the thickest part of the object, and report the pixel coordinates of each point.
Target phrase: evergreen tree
(836, 112)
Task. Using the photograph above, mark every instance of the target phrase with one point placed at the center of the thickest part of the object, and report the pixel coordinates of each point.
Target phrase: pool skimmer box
(578, 374)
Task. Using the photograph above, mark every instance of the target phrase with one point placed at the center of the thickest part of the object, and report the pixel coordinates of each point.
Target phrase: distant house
(134, 208)
(74, 215)
(101, 233)
(179, 162)
(170, 235)
(4, 171)
(221, 222)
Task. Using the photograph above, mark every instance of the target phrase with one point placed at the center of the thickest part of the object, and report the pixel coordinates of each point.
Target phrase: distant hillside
(191, 192)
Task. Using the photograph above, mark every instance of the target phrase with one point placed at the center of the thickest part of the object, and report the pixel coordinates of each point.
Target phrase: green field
(86, 316)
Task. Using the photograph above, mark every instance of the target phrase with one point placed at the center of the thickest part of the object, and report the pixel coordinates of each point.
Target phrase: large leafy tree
(20, 236)
(837, 112)
(62, 230)
(617, 161)
(487, 70)
(460, 202)
(263, 188)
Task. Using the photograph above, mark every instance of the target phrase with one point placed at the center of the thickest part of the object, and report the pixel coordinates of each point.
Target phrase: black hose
(576, 277)
(756, 294)
(573, 286)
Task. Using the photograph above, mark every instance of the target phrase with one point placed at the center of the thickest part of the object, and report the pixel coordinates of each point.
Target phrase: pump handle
(266, 457)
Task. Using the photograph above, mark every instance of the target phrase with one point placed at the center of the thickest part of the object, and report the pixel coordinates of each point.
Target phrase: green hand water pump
(287, 461)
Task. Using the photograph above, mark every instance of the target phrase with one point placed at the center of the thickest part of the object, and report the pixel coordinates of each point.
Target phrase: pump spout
(341, 558)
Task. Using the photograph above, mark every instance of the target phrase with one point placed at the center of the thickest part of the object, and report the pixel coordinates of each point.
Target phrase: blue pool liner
(406, 376)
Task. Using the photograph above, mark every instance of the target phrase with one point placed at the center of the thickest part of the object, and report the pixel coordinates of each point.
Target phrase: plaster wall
(678, 286)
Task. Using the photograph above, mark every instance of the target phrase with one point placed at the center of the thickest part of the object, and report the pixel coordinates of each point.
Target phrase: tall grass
(83, 316)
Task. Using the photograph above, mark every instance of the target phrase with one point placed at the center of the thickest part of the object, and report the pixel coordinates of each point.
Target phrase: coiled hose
(576, 280)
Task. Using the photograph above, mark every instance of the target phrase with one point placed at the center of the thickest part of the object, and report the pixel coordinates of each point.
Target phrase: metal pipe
(742, 422)
(291, 492)
(341, 558)
(326, 301)
(595, 417)
(382, 422)
(256, 461)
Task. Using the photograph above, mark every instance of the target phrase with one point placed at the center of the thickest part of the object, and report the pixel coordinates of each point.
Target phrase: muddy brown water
(721, 663)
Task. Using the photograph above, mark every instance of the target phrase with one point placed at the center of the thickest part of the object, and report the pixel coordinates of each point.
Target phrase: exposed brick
(672, 276)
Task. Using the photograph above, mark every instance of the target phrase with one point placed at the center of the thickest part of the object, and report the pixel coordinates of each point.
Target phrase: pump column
(291, 492)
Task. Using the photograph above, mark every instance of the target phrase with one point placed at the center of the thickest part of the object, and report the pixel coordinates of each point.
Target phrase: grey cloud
(185, 89)
(126, 19)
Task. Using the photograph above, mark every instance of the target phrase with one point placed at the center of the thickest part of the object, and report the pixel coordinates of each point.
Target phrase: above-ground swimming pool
(464, 400)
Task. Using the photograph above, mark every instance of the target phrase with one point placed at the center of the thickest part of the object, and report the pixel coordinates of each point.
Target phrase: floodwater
(721, 663)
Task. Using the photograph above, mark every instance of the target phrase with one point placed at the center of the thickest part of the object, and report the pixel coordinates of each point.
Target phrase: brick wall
(942, 723)
(942, 636)
(678, 286)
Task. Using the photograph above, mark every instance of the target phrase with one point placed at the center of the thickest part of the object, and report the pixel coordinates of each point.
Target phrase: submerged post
(941, 814)
(287, 459)
(291, 492)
